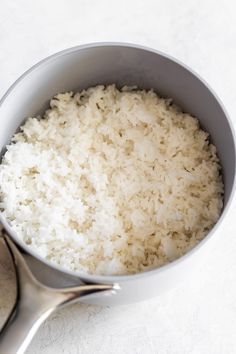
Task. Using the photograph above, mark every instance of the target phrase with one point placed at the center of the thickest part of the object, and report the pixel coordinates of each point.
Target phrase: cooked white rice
(111, 182)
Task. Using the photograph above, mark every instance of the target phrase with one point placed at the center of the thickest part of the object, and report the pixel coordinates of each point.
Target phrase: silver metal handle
(35, 302)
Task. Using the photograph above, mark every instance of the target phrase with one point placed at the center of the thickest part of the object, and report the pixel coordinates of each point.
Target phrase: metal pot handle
(35, 302)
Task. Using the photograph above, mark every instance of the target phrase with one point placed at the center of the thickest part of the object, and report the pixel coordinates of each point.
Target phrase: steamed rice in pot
(111, 181)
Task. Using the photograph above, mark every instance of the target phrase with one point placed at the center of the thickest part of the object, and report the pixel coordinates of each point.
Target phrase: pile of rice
(111, 181)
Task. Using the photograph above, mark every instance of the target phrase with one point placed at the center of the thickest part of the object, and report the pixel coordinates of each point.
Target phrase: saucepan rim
(154, 271)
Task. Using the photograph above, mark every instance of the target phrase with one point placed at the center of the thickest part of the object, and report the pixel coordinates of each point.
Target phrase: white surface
(200, 316)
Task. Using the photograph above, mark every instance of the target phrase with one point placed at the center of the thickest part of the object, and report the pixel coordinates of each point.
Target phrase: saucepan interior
(84, 66)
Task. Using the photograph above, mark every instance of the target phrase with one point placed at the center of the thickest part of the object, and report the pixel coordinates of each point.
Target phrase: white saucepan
(75, 69)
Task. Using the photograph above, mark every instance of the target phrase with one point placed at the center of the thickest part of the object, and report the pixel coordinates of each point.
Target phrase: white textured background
(199, 317)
